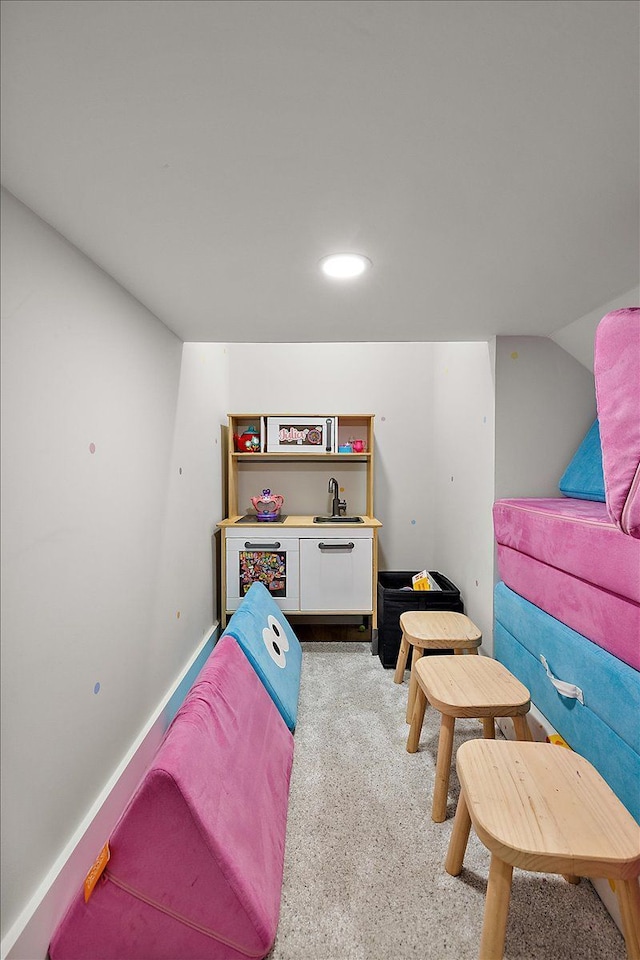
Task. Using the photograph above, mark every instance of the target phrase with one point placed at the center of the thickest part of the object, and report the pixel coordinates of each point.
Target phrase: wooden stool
(432, 630)
(545, 809)
(464, 687)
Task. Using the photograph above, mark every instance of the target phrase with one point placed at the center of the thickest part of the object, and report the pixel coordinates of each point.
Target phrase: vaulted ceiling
(207, 154)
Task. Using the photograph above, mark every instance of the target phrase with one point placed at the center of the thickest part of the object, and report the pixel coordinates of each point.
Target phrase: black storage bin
(393, 600)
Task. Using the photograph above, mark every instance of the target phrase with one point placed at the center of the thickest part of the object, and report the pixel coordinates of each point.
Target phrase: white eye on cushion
(275, 640)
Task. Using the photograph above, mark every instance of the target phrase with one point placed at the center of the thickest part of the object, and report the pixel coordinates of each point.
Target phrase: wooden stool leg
(521, 728)
(413, 683)
(628, 894)
(488, 728)
(496, 910)
(417, 720)
(401, 662)
(459, 837)
(443, 767)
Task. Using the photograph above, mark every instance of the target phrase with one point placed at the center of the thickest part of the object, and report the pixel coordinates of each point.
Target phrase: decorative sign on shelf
(301, 434)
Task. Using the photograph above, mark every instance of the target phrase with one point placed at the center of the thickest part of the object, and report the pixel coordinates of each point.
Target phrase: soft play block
(576, 536)
(617, 377)
(607, 619)
(583, 477)
(603, 724)
(197, 857)
(271, 647)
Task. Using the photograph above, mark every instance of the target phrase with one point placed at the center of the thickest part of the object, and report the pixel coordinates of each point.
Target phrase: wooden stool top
(471, 687)
(441, 629)
(544, 808)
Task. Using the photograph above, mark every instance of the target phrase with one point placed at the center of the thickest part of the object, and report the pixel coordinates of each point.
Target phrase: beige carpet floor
(364, 876)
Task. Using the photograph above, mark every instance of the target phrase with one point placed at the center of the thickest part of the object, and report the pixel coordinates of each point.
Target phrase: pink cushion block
(610, 621)
(576, 536)
(197, 857)
(617, 376)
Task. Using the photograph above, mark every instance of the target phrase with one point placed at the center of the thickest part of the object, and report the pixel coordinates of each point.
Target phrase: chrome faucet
(338, 506)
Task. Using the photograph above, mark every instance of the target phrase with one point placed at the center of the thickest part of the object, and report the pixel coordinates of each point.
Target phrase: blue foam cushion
(603, 729)
(583, 478)
(272, 648)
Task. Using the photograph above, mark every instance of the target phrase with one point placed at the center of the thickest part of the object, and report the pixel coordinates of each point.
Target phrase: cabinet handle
(328, 444)
(336, 546)
(262, 546)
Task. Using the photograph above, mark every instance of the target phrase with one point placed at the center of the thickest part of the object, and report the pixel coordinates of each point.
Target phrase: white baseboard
(30, 935)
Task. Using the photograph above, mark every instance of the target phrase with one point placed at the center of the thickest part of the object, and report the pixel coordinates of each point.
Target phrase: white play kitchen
(300, 513)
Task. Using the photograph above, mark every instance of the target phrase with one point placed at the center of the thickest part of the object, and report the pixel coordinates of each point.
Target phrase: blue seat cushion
(583, 479)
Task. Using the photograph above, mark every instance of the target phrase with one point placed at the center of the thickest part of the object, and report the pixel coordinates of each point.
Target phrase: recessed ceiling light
(345, 265)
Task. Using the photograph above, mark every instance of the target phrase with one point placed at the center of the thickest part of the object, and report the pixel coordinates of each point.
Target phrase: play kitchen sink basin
(338, 520)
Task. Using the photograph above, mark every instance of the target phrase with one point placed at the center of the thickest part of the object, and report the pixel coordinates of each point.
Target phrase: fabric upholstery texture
(611, 621)
(197, 857)
(583, 478)
(617, 376)
(272, 648)
(576, 536)
(604, 728)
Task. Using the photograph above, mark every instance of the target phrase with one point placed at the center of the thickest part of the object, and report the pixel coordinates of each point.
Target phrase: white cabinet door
(336, 574)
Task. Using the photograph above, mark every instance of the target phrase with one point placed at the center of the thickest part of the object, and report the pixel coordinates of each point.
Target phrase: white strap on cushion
(564, 689)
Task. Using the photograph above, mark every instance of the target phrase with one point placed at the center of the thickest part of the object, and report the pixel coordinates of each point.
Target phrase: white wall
(194, 504)
(434, 419)
(463, 412)
(106, 546)
(508, 417)
(545, 403)
(392, 381)
(577, 337)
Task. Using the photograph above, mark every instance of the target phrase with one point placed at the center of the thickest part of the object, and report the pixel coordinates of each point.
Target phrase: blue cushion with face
(272, 648)
(583, 478)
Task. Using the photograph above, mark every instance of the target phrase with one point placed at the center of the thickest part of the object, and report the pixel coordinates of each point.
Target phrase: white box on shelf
(292, 434)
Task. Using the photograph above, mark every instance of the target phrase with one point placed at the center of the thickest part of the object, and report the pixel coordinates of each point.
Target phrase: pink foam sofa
(196, 864)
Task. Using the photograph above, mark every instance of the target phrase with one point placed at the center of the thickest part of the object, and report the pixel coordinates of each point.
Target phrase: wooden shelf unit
(350, 579)
(350, 426)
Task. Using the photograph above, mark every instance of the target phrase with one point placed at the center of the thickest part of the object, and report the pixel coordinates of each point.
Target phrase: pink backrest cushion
(617, 376)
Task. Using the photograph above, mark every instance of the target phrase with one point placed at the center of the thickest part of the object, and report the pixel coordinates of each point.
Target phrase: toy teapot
(248, 442)
(267, 506)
